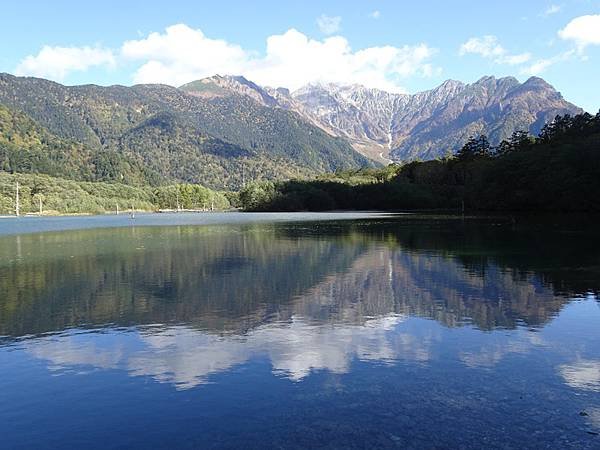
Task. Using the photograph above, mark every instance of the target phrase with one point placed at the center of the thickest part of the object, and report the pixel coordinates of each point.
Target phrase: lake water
(299, 331)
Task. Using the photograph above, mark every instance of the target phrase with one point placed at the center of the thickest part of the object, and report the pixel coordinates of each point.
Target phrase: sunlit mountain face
(339, 327)
(389, 126)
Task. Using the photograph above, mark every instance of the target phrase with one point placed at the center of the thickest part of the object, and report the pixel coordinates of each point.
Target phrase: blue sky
(397, 45)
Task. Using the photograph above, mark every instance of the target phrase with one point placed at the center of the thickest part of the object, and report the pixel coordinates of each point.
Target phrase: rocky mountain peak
(227, 85)
(538, 83)
(427, 124)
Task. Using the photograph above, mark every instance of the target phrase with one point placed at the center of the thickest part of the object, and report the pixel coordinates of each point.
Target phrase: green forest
(559, 170)
(156, 134)
(63, 196)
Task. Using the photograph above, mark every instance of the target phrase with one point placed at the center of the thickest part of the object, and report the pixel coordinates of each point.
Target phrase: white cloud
(329, 25)
(583, 31)
(514, 60)
(489, 47)
(552, 9)
(182, 54)
(486, 46)
(539, 66)
(375, 14)
(58, 62)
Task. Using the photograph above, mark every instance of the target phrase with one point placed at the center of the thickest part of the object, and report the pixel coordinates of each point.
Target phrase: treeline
(62, 196)
(559, 170)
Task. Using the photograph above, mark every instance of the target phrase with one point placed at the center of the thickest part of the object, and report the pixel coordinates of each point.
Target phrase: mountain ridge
(423, 125)
(218, 141)
(224, 130)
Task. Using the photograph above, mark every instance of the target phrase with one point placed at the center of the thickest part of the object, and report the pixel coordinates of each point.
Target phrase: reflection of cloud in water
(490, 356)
(68, 351)
(583, 374)
(186, 357)
(297, 349)
(593, 417)
(487, 358)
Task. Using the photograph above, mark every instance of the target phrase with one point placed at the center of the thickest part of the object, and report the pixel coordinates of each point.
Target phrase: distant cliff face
(431, 123)
(384, 125)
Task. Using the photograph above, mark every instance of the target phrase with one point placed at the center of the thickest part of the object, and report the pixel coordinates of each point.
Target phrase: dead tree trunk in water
(17, 206)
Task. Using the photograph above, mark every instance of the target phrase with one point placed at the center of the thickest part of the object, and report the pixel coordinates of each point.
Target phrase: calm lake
(299, 331)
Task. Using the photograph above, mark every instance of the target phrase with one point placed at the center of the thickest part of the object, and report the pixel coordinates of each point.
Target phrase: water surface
(295, 331)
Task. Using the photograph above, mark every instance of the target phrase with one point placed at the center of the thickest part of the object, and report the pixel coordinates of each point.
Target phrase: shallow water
(295, 331)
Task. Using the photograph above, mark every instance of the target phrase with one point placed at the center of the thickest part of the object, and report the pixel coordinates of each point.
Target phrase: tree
(520, 140)
(257, 195)
(475, 147)
(503, 148)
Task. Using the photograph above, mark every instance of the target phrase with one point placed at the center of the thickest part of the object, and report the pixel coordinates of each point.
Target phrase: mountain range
(158, 133)
(222, 131)
(401, 127)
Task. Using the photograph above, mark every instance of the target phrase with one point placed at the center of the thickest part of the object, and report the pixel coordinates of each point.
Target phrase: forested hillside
(148, 138)
(172, 135)
(27, 147)
(559, 170)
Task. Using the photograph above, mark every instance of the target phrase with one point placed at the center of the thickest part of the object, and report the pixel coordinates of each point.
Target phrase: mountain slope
(424, 125)
(558, 171)
(224, 130)
(27, 147)
(429, 124)
(182, 136)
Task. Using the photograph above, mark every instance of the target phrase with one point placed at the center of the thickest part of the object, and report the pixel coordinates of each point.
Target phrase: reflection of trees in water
(232, 279)
(562, 251)
(220, 280)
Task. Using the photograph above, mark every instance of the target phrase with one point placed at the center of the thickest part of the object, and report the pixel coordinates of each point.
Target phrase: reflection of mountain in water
(226, 281)
(232, 280)
(393, 280)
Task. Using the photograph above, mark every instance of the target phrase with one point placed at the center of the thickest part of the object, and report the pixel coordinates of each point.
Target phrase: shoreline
(124, 213)
(41, 224)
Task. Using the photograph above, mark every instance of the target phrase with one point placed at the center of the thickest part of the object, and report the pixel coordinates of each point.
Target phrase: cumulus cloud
(58, 62)
(329, 25)
(583, 31)
(538, 67)
(489, 47)
(182, 54)
(375, 14)
(292, 59)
